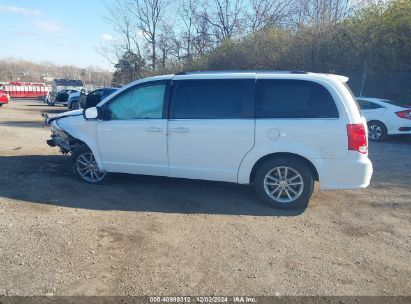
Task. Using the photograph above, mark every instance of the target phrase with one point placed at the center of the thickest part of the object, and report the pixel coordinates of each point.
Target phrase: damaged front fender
(63, 140)
(70, 132)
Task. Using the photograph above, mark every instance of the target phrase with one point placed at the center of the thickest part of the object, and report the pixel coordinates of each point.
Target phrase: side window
(280, 98)
(212, 99)
(375, 106)
(142, 102)
(364, 105)
(368, 105)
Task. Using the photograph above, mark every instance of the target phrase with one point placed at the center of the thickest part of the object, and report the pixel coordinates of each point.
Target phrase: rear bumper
(339, 174)
(399, 132)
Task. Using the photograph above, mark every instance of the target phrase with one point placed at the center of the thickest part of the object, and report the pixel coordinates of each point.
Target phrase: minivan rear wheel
(284, 183)
(85, 166)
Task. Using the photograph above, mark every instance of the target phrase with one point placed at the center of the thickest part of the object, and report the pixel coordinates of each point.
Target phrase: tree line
(27, 71)
(370, 41)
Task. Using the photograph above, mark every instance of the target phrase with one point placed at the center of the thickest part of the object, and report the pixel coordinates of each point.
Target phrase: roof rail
(241, 71)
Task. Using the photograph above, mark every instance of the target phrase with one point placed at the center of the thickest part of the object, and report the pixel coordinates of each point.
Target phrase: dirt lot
(158, 236)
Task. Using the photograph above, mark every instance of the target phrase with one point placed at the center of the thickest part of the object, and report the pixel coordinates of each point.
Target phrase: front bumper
(59, 138)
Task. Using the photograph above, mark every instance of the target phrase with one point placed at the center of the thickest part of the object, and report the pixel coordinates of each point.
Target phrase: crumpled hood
(48, 118)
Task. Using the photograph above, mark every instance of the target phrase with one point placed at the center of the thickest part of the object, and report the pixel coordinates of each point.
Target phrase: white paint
(227, 150)
(387, 116)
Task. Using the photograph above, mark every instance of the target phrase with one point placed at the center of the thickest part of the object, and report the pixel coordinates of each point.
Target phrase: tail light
(357, 138)
(404, 114)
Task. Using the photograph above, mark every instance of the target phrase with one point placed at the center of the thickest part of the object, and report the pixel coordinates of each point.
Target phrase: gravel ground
(143, 235)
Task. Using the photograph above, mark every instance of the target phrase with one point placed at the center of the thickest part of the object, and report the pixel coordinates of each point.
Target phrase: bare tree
(225, 16)
(127, 33)
(196, 37)
(123, 23)
(265, 13)
(188, 14)
(322, 12)
(150, 14)
(166, 44)
(112, 51)
(203, 40)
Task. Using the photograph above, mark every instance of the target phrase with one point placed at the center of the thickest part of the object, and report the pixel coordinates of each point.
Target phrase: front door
(133, 138)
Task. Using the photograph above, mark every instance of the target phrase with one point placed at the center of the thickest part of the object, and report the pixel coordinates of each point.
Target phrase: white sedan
(385, 117)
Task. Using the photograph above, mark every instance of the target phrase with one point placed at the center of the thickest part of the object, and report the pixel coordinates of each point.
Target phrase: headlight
(55, 129)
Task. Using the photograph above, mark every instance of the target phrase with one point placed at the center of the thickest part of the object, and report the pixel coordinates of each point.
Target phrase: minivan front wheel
(85, 166)
(284, 183)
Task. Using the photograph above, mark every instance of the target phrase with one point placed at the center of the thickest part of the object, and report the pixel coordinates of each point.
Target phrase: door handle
(179, 130)
(154, 129)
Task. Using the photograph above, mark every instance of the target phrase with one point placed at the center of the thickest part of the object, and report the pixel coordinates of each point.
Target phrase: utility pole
(364, 76)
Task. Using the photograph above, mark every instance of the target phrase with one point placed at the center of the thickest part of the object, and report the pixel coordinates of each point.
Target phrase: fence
(390, 85)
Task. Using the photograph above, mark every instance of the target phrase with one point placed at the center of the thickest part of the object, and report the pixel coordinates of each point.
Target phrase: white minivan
(279, 131)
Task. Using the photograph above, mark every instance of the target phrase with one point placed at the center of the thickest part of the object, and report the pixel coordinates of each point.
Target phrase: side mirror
(90, 113)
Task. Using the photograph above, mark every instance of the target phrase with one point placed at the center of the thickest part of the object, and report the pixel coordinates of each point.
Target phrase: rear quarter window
(368, 105)
(281, 98)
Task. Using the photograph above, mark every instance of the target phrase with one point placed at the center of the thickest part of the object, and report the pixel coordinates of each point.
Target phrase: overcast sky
(59, 31)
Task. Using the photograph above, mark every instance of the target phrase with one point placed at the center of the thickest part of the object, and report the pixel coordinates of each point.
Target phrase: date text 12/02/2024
(203, 299)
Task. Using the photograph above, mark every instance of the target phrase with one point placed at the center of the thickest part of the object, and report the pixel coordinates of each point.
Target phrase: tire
(85, 166)
(377, 131)
(74, 105)
(272, 177)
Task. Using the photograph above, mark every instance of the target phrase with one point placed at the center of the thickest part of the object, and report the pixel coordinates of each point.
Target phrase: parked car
(385, 117)
(278, 131)
(73, 100)
(4, 97)
(63, 96)
(95, 97)
(61, 88)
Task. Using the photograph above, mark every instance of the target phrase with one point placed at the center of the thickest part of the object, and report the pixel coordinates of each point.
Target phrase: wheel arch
(260, 161)
(379, 121)
(84, 132)
(78, 143)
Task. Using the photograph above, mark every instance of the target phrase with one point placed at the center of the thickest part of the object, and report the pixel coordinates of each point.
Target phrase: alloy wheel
(283, 184)
(88, 169)
(374, 131)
